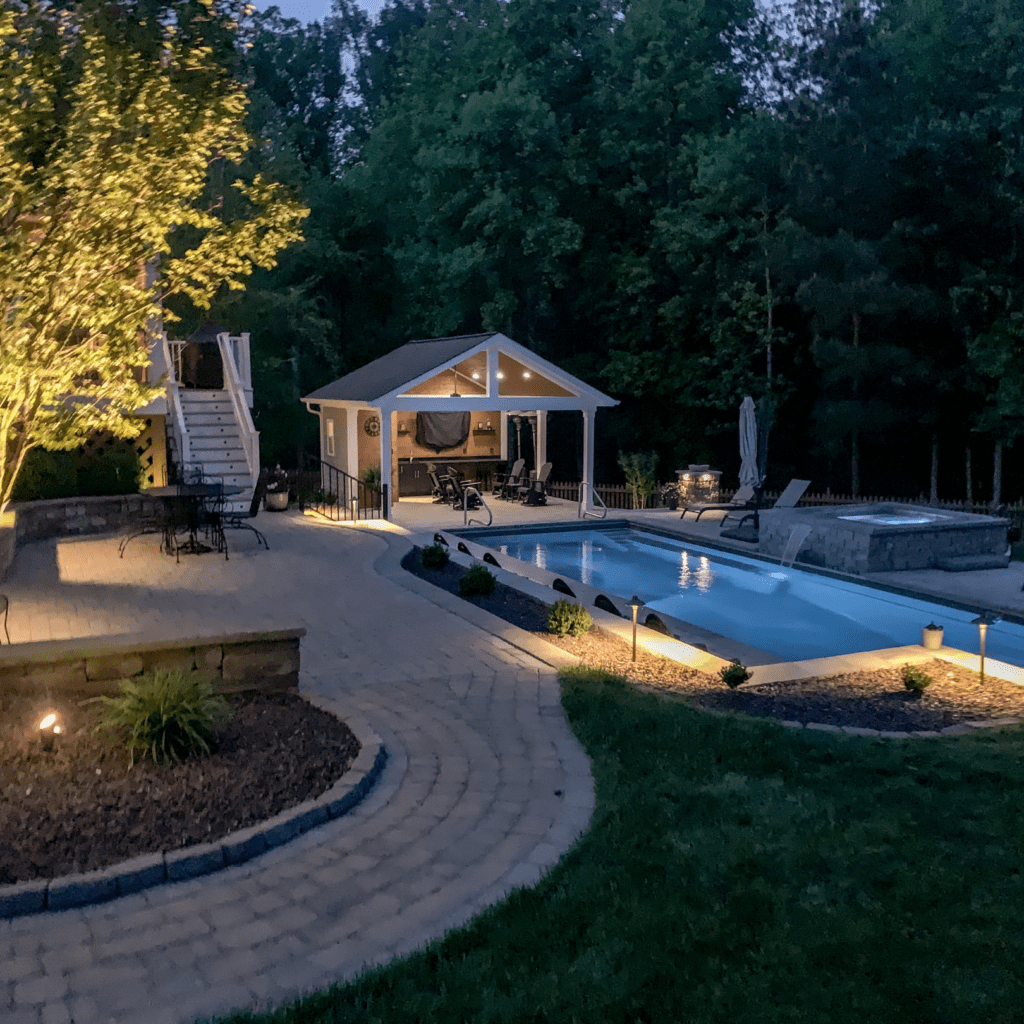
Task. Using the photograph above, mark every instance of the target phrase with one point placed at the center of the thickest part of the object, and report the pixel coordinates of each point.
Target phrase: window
(329, 446)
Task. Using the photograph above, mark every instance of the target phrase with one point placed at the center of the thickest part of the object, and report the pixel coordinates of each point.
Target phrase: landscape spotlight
(983, 621)
(634, 603)
(48, 728)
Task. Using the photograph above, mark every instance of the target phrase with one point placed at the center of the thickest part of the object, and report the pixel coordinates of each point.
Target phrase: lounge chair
(459, 486)
(533, 493)
(743, 498)
(503, 479)
(789, 498)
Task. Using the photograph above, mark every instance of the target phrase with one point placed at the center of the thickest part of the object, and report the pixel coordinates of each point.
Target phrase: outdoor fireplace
(698, 484)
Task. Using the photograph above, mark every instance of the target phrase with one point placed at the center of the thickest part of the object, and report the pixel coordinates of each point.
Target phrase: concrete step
(194, 395)
(214, 430)
(226, 468)
(202, 413)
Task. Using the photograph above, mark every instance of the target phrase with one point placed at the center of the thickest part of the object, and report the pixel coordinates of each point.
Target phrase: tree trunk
(997, 476)
(970, 486)
(854, 463)
(934, 496)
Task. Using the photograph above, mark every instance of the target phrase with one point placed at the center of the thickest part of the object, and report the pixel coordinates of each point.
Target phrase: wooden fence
(620, 496)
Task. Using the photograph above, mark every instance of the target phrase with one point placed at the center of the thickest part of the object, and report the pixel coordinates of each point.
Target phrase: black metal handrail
(334, 494)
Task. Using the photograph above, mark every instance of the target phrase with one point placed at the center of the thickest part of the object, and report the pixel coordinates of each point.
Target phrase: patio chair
(4, 603)
(441, 490)
(515, 473)
(533, 493)
(789, 498)
(236, 520)
(515, 480)
(459, 486)
(744, 498)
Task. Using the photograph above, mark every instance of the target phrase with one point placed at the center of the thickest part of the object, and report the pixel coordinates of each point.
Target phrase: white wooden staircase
(219, 437)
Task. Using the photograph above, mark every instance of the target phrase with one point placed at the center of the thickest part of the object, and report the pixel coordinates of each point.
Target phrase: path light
(634, 603)
(355, 509)
(983, 621)
(48, 728)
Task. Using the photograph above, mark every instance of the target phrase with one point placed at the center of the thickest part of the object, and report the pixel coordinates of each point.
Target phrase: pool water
(793, 614)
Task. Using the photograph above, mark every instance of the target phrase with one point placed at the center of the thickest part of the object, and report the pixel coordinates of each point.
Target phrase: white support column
(351, 465)
(387, 425)
(542, 437)
(588, 457)
(503, 438)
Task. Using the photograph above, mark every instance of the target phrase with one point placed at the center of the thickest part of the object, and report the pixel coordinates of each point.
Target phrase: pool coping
(67, 892)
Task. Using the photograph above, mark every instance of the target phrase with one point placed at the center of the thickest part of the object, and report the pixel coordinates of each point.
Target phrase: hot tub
(881, 537)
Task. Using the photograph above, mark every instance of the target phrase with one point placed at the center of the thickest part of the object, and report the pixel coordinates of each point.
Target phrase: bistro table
(186, 508)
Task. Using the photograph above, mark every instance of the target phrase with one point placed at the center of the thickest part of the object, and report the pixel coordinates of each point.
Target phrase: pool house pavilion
(451, 401)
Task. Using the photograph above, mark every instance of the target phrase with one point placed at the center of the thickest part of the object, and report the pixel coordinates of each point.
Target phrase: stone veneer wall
(234, 663)
(71, 517)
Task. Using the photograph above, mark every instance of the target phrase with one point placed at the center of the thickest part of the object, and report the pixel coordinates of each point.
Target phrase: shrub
(478, 581)
(733, 675)
(639, 469)
(915, 679)
(371, 477)
(104, 469)
(568, 619)
(434, 556)
(168, 715)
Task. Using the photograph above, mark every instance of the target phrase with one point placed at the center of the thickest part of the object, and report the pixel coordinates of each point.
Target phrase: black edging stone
(153, 869)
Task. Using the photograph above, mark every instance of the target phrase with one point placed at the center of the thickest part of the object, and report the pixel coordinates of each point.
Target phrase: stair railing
(465, 508)
(334, 494)
(174, 408)
(581, 513)
(250, 436)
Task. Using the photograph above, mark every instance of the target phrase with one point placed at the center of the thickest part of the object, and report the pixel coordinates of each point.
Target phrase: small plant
(371, 477)
(434, 556)
(168, 715)
(478, 581)
(277, 480)
(734, 674)
(568, 619)
(915, 679)
(639, 469)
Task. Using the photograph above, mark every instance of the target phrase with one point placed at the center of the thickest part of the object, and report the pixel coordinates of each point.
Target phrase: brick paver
(464, 810)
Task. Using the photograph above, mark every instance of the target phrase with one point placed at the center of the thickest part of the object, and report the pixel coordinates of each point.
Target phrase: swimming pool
(790, 613)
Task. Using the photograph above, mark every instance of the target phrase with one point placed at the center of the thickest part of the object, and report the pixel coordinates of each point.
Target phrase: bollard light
(634, 603)
(48, 728)
(983, 621)
(355, 509)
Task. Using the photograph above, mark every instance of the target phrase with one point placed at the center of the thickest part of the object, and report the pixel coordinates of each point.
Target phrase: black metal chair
(4, 604)
(237, 520)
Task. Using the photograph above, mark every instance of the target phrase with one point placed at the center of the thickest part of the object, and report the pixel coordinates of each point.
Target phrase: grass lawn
(736, 871)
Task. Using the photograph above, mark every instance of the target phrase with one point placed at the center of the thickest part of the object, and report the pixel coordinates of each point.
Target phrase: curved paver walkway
(484, 789)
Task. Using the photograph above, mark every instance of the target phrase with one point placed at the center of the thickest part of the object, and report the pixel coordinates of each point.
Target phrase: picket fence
(621, 496)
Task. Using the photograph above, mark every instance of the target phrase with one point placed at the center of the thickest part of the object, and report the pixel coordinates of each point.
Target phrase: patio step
(968, 563)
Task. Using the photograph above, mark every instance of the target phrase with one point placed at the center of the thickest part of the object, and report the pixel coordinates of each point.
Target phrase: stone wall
(72, 517)
(234, 663)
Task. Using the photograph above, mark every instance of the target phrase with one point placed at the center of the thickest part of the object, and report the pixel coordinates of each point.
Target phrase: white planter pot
(275, 501)
(931, 639)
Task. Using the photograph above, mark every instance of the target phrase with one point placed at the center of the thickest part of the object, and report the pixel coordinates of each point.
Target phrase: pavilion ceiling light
(500, 375)
(526, 373)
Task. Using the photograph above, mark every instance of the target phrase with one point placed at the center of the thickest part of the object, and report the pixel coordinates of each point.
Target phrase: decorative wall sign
(372, 425)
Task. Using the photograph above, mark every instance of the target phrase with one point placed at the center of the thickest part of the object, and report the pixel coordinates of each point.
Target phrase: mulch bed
(871, 700)
(83, 806)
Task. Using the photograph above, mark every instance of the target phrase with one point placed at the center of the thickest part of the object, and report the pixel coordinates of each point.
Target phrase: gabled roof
(392, 375)
(398, 367)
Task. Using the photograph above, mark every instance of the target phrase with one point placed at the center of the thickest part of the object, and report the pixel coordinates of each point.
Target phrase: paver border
(152, 869)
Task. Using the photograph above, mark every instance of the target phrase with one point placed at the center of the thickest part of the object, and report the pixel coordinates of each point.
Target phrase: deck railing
(332, 493)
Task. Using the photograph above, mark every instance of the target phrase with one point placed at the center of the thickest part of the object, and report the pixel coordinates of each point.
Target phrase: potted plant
(276, 497)
(931, 637)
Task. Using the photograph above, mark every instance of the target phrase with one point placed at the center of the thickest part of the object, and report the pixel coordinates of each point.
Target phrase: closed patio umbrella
(748, 444)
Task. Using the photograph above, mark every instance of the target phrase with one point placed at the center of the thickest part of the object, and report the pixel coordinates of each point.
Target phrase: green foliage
(569, 619)
(915, 679)
(733, 675)
(434, 556)
(477, 581)
(80, 472)
(371, 477)
(640, 469)
(167, 715)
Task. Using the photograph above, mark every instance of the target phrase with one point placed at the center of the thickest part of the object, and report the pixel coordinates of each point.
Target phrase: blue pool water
(792, 614)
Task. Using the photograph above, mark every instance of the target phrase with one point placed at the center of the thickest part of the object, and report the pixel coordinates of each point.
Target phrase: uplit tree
(112, 118)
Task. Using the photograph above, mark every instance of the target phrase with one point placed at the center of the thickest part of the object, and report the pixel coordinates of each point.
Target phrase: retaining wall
(71, 517)
(8, 541)
(234, 663)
